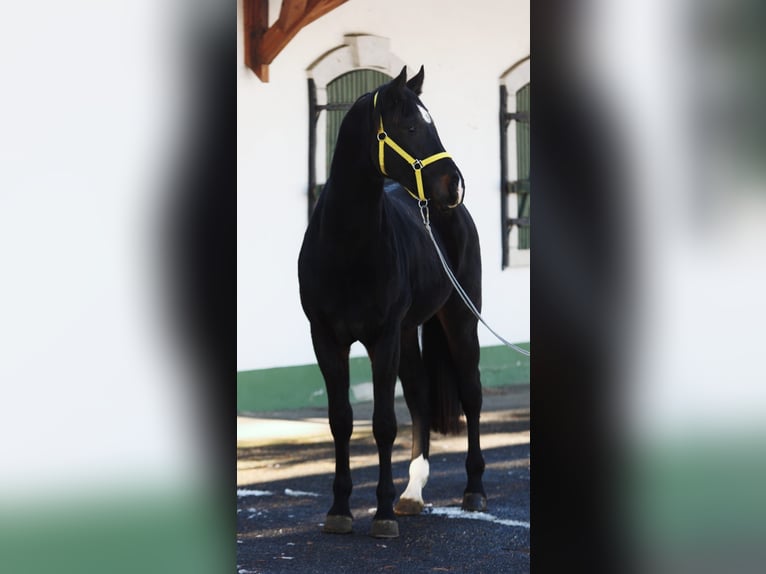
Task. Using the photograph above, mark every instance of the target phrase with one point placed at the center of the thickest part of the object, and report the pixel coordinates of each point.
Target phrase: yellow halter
(416, 164)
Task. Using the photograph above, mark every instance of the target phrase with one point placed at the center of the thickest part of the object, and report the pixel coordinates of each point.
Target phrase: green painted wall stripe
(265, 390)
(500, 366)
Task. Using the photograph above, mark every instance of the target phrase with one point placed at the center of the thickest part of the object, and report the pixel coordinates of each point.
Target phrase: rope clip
(424, 214)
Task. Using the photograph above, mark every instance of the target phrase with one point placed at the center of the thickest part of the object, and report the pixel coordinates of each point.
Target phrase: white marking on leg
(425, 114)
(418, 478)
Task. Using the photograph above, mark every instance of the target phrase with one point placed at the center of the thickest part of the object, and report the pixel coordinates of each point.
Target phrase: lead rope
(423, 205)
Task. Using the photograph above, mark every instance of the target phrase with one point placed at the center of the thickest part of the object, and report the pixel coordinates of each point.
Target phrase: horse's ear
(416, 82)
(401, 80)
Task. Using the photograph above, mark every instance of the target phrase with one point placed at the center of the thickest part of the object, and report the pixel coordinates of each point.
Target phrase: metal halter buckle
(382, 136)
(417, 165)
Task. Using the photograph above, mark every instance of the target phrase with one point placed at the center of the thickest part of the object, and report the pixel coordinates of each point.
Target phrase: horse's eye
(411, 129)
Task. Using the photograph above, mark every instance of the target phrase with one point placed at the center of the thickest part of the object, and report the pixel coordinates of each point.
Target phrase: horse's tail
(442, 379)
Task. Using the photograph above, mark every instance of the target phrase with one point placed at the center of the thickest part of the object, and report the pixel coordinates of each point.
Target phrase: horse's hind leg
(413, 376)
(333, 362)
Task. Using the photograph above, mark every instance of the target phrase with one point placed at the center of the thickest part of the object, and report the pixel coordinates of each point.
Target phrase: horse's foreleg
(385, 364)
(332, 358)
(474, 497)
(462, 337)
(413, 376)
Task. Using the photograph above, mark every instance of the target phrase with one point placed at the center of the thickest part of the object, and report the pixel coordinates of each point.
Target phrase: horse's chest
(362, 294)
(361, 289)
(360, 298)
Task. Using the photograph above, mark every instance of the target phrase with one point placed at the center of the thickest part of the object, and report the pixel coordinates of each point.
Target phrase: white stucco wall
(464, 52)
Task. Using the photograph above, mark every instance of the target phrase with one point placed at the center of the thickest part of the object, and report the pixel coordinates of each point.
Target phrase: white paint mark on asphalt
(366, 392)
(363, 392)
(290, 492)
(459, 513)
(248, 492)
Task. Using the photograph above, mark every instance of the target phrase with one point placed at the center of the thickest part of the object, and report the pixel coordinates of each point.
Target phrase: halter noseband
(416, 164)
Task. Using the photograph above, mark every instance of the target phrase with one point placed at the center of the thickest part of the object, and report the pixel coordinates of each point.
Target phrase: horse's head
(407, 147)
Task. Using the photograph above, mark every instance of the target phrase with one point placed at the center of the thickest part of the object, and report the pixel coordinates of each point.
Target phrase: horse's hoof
(385, 529)
(408, 507)
(337, 524)
(474, 501)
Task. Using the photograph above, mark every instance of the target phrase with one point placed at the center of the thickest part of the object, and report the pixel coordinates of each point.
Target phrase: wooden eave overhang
(263, 42)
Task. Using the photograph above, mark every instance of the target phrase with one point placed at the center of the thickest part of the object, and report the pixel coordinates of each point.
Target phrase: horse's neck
(354, 203)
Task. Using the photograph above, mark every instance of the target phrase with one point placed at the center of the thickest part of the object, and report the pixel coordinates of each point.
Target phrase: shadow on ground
(285, 489)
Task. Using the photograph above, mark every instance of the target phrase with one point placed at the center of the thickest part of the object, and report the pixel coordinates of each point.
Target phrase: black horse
(369, 272)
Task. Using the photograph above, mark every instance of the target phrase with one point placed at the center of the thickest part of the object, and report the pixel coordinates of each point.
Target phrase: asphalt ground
(285, 464)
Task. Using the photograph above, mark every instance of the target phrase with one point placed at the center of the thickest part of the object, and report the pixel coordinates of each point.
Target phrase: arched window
(342, 92)
(335, 81)
(515, 165)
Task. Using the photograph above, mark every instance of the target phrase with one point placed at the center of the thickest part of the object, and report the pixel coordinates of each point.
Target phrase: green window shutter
(342, 92)
(522, 162)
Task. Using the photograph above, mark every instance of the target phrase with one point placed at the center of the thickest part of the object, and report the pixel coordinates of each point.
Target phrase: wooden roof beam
(291, 13)
(264, 43)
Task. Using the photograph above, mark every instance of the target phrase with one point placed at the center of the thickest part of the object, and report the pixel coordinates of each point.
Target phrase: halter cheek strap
(416, 164)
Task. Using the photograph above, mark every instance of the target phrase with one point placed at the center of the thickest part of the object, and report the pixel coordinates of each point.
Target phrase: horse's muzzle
(456, 190)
